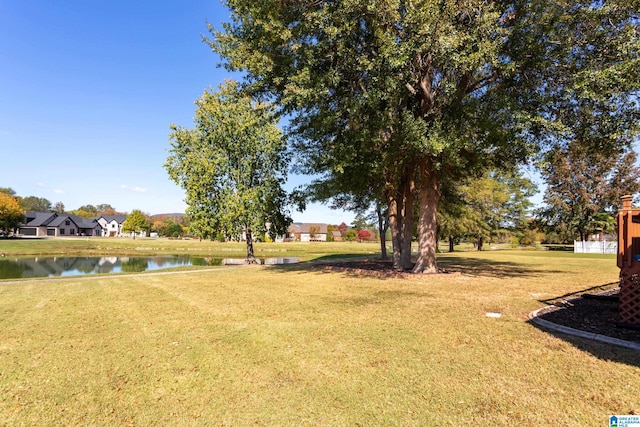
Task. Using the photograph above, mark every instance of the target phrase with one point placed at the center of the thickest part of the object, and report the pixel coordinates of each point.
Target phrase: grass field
(297, 345)
(125, 246)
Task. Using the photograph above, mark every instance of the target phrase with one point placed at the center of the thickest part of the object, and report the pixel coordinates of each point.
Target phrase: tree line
(13, 208)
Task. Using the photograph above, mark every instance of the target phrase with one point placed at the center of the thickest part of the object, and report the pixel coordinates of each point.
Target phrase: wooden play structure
(629, 263)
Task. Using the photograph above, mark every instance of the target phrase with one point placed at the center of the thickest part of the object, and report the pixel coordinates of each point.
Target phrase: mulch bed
(370, 267)
(593, 315)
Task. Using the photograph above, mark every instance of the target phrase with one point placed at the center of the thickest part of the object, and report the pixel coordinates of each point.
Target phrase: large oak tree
(431, 92)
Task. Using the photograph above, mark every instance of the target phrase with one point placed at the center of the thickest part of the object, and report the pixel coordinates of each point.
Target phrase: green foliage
(136, 222)
(363, 220)
(350, 235)
(232, 166)
(582, 183)
(394, 101)
(490, 207)
(35, 204)
(602, 223)
(529, 238)
(174, 230)
(134, 265)
(86, 211)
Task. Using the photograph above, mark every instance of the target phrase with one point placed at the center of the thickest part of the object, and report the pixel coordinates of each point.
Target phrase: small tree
(330, 230)
(58, 207)
(313, 231)
(232, 167)
(159, 227)
(105, 209)
(11, 214)
(364, 235)
(602, 223)
(136, 222)
(350, 235)
(174, 230)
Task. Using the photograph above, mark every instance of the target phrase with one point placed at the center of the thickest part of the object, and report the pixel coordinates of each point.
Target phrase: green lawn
(301, 346)
(127, 246)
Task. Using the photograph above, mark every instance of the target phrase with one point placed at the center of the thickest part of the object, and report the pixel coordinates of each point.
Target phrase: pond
(16, 268)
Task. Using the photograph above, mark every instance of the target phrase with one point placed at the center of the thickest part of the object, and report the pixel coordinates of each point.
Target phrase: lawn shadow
(489, 268)
(600, 350)
(375, 267)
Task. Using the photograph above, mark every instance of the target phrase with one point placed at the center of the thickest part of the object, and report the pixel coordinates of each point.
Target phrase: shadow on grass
(600, 350)
(577, 294)
(489, 268)
(375, 267)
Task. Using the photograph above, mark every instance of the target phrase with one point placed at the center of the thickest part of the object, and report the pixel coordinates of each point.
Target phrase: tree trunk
(382, 230)
(451, 243)
(394, 224)
(480, 242)
(251, 258)
(407, 223)
(429, 198)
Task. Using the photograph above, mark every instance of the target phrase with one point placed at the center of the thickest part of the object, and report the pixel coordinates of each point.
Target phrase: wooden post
(628, 254)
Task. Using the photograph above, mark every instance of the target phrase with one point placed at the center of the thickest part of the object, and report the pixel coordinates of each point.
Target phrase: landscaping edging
(545, 324)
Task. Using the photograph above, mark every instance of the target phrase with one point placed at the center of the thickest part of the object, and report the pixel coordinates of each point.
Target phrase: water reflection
(14, 268)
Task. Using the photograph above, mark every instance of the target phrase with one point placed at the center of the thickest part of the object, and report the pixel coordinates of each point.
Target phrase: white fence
(603, 247)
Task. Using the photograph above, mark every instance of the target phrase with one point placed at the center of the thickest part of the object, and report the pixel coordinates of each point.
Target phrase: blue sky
(88, 91)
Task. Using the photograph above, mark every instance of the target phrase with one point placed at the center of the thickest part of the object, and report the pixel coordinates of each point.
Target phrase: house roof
(52, 219)
(38, 219)
(60, 219)
(78, 221)
(84, 223)
(117, 218)
(305, 227)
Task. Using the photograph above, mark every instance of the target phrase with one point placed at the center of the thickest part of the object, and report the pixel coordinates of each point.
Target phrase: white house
(308, 232)
(111, 225)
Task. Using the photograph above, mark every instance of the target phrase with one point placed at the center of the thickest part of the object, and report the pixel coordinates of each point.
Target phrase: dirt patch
(374, 268)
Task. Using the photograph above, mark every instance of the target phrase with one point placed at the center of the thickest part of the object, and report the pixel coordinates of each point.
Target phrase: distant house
(308, 232)
(336, 235)
(43, 224)
(111, 225)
